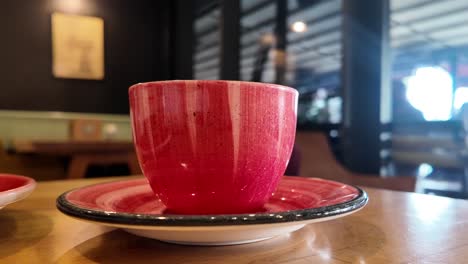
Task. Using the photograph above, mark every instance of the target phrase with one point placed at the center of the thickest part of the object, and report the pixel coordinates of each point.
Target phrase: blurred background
(385, 81)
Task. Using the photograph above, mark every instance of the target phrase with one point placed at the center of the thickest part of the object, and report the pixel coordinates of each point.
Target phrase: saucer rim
(30, 182)
(133, 219)
(16, 194)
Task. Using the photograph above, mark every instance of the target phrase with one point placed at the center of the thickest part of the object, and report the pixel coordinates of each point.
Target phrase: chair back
(319, 161)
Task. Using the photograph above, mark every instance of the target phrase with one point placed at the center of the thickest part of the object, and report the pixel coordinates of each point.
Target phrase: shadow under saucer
(17, 232)
(316, 242)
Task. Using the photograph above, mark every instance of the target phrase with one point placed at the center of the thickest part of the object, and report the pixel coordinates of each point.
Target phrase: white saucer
(14, 188)
(132, 206)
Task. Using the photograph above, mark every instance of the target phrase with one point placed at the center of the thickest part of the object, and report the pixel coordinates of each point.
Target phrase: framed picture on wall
(77, 47)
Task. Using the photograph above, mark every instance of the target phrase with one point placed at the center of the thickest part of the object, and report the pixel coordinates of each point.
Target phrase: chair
(319, 161)
(40, 168)
(438, 144)
(85, 134)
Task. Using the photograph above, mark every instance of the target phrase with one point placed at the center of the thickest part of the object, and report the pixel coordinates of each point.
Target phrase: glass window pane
(314, 59)
(207, 34)
(429, 36)
(257, 40)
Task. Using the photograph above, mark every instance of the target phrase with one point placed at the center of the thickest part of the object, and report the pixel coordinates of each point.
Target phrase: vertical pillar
(183, 40)
(281, 41)
(365, 82)
(230, 39)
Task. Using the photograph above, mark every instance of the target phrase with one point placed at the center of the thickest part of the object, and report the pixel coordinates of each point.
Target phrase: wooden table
(395, 227)
(82, 153)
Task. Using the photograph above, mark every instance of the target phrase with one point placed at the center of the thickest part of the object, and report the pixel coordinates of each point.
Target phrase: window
(207, 34)
(430, 38)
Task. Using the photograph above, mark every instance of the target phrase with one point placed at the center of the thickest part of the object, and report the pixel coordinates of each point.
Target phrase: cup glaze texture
(213, 147)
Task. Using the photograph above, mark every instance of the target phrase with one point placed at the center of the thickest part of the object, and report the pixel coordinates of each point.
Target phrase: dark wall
(136, 49)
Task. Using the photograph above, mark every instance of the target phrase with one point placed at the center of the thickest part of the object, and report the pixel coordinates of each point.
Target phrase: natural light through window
(429, 90)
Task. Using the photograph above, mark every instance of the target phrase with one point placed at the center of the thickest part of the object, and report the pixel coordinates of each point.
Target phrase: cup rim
(265, 84)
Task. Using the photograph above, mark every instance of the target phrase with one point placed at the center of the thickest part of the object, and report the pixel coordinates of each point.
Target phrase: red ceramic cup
(213, 147)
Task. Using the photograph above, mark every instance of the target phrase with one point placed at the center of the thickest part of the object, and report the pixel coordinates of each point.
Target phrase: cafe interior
(382, 104)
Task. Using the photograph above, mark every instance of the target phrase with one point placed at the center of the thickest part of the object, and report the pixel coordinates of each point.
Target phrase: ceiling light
(299, 27)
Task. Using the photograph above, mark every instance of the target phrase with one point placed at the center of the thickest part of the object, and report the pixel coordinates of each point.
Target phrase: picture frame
(77, 46)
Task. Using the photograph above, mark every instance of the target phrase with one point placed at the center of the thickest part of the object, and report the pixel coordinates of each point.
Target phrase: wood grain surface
(395, 227)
